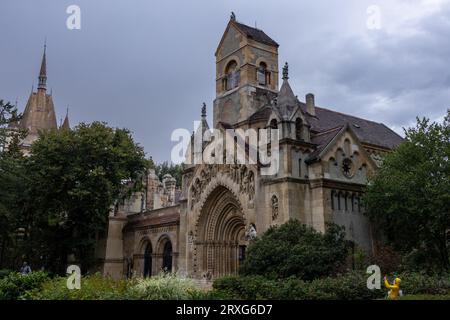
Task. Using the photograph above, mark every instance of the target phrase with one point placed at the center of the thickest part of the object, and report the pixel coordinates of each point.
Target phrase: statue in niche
(274, 201)
(251, 234)
(251, 185)
(191, 238)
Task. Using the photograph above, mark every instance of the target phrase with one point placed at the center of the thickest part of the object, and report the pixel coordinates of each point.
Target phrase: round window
(347, 167)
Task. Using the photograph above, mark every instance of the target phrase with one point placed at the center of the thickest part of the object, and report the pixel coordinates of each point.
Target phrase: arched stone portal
(167, 257)
(148, 260)
(220, 234)
(165, 254)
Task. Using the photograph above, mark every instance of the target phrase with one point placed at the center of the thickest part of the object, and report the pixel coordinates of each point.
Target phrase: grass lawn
(425, 297)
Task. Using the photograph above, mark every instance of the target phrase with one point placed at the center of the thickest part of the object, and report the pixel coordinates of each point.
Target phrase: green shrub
(294, 249)
(96, 287)
(164, 287)
(14, 285)
(350, 286)
(4, 273)
(249, 288)
(93, 287)
(421, 283)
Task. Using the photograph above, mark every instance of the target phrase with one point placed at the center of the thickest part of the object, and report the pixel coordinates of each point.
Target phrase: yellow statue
(394, 289)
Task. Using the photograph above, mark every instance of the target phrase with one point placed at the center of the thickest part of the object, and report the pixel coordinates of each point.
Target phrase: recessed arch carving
(219, 234)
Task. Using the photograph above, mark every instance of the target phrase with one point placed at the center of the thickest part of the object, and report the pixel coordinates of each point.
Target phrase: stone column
(113, 262)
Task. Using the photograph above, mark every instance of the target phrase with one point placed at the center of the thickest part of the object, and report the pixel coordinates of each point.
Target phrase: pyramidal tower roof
(66, 124)
(286, 100)
(39, 112)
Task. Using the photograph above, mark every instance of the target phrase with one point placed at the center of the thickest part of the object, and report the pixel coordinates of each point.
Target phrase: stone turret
(169, 183)
(152, 188)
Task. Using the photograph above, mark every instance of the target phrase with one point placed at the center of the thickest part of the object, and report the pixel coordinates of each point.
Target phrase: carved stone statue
(251, 234)
(191, 238)
(274, 207)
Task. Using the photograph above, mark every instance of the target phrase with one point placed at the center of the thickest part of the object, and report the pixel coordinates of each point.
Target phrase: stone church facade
(202, 229)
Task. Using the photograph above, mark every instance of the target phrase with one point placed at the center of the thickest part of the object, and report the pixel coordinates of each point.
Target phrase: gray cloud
(148, 65)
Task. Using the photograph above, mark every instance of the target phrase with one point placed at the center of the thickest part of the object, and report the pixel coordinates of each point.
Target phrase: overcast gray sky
(148, 65)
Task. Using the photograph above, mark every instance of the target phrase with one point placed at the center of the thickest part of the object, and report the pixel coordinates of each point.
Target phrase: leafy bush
(249, 288)
(295, 249)
(351, 286)
(164, 287)
(14, 285)
(420, 283)
(94, 287)
(4, 273)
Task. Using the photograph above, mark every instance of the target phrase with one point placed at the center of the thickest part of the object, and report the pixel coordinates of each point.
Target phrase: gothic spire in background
(43, 72)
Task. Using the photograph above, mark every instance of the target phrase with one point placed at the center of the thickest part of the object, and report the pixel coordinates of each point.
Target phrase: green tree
(175, 170)
(8, 116)
(294, 249)
(12, 178)
(76, 177)
(409, 197)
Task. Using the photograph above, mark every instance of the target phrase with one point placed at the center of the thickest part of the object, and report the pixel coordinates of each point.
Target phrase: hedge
(97, 287)
(351, 286)
(14, 285)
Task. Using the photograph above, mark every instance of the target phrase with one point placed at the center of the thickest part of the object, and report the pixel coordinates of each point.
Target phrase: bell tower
(246, 72)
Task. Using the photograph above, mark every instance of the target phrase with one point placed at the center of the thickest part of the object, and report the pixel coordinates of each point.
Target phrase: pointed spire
(66, 125)
(43, 71)
(286, 71)
(232, 16)
(286, 97)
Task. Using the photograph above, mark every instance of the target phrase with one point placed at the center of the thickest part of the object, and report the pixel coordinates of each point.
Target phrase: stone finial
(286, 71)
(232, 16)
(204, 110)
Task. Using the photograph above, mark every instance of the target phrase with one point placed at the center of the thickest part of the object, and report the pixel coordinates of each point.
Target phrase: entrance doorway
(148, 261)
(167, 257)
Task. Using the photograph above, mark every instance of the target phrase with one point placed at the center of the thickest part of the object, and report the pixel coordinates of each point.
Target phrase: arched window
(262, 75)
(339, 201)
(232, 76)
(300, 168)
(332, 199)
(148, 261)
(298, 129)
(167, 257)
(242, 250)
(273, 124)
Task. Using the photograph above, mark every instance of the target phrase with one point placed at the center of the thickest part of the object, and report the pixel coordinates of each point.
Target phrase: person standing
(394, 289)
(25, 268)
